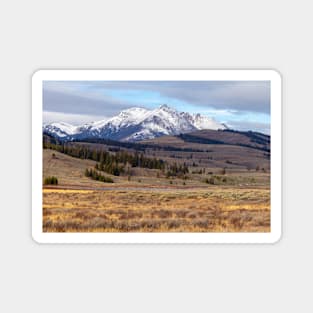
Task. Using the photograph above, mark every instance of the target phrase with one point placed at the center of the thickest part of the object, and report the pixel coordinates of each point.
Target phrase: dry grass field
(148, 201)
(211, 210)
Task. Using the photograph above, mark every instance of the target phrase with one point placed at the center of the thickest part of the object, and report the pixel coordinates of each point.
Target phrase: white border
(271, 75)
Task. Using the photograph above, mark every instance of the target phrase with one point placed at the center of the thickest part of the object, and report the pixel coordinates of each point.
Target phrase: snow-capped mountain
(136, 124)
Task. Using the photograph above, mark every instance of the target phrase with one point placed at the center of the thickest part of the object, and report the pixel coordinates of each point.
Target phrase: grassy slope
(68, 170)
(241, 157)
(70, 173)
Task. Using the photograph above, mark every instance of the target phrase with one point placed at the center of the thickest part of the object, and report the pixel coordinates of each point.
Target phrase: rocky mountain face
(136, 124)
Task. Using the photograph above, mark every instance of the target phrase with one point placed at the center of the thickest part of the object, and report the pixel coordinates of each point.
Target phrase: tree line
(112, 163)
(177, 170)
(117, 162)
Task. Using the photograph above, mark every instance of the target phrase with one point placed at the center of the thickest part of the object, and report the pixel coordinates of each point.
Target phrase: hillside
(231, 149)
(224, 137)
(70, 171)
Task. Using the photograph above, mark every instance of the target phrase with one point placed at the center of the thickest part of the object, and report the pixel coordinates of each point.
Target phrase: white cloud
(73, 119)
(224, 112)
(246, 125)
(111, 96)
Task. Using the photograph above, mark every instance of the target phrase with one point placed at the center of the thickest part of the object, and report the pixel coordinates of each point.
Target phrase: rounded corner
(37, 75)
(36, 238)
(277, 238)
(276, 75)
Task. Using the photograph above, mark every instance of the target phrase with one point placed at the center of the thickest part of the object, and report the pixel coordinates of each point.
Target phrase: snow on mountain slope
(61, 129)
(203, 122)
(124, 118)
(136, 124)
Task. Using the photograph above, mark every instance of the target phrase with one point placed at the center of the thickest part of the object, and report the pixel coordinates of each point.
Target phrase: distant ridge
(225, 137)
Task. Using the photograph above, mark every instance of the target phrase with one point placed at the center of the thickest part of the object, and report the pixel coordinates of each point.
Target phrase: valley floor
(151, 204)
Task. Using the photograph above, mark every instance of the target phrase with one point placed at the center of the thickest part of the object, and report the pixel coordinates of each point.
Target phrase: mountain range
(136, 124)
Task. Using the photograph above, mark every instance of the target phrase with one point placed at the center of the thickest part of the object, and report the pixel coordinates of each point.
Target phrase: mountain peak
(166, 108)
(134, 109)
(137, 123)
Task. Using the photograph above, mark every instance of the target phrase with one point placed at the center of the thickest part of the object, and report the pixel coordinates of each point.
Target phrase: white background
(146, 34)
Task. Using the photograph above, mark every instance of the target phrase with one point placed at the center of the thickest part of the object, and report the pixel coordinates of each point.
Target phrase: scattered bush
(51, 180)
(219, 180)
(210, 181)
(97, 176)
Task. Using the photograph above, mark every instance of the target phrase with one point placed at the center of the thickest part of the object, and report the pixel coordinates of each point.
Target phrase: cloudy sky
(242, 105)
